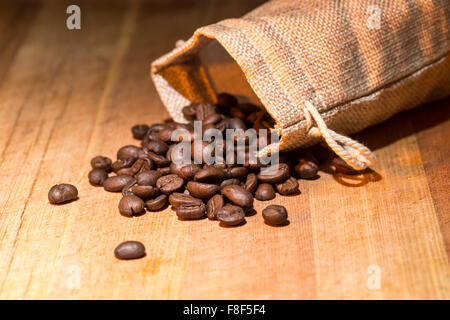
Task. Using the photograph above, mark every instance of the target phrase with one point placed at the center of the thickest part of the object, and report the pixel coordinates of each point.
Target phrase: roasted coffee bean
(176, 168)
(265, 192)
(251, 183)
(129, 250)
(139, 131)
(342, 167)
(101, 162)
(235, 172)
(116, 183)
(306, 169)
(202, 190)
(276, 174)
(189, 112)
(166, 134)
(176, 199)
(231, 215)
(226, 100)
(188, 172)
(128, 151)
(97, 176)
(275, 214)
(288, 186)
(145, 192)
(189, 211)
(148, 178)
(214, 205)
(203, 110)
(125, 172)
(169, 183)
(163, 171)
(122, 163)
(209, 175)
(156, 204)
(131, 205)
(157, 146)
(141, 165)
(61, 193)
(229, 182)
(211, 120)
(238, 195)
(160, 160)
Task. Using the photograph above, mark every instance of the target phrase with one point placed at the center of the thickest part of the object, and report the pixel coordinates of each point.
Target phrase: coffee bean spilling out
(150, 176)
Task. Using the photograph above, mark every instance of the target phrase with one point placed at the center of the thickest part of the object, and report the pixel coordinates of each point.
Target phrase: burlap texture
(331, 53)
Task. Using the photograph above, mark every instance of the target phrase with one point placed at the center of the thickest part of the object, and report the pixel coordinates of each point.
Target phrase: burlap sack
(318, 67)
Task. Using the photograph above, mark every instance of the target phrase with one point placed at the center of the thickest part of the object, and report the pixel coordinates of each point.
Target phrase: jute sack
(321, 68)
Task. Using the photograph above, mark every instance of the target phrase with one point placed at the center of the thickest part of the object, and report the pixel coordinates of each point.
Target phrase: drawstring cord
(355, 154)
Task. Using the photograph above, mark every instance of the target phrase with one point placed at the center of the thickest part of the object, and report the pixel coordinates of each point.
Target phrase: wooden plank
(432, 124)
(55, 122)
(70, 95)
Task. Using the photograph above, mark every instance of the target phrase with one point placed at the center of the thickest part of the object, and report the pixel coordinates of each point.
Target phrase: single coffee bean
(158, 146)
(288, 186)
(125, 172)
(202, 190)
(97, 176)
(189, 211)
(129, 250)
(176, 199)
(306, 169)
(188, 172)
(307, 165)
(163, 171)
(229, 182)
(226, 100)
(175, 168)
(145, 192)
(265, 192)
(275, 174)
(156, 204)
(139, 131)
(122, 163)
(148, 178)
(214, 205)
(275, 214)
(141, 165)
(231, 215)
(130, 205)
(61, 193)
(128, 151)
(203, 110)
(189, 112)
(116, 183)
(251, 183)
(238, 195)
(342, 167)
(209, 175)
(101, 162)
(160, 160)
(169, 183)
(235, 172)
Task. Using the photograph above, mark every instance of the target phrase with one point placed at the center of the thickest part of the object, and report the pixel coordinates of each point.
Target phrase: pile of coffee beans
(150, 178)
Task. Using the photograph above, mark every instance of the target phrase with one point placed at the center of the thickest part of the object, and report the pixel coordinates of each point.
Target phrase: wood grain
(66, 96)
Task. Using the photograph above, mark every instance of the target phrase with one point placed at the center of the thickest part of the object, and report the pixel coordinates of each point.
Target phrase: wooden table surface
(66, 96)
